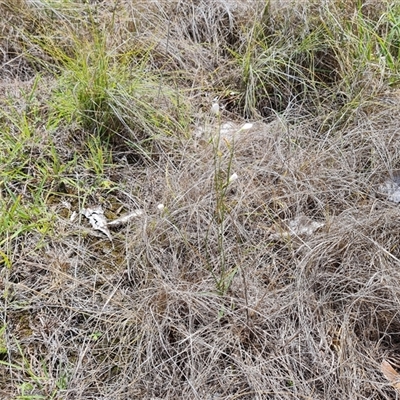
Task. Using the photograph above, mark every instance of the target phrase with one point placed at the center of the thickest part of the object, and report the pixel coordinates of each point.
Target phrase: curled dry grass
(183, 304)
(304, 317)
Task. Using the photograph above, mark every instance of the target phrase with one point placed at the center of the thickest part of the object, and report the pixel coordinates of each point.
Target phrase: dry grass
(214, 296)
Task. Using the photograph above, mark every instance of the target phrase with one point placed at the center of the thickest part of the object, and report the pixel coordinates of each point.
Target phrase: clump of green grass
(22, 184)
(318, 59)
(103, 87)
(111, 95)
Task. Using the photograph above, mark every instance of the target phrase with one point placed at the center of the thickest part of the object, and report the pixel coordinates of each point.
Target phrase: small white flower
(246, 126)
(161, 207)
(215, 108)
(233, 177)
